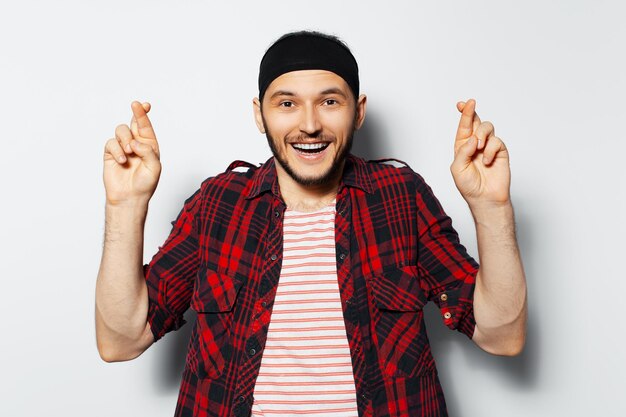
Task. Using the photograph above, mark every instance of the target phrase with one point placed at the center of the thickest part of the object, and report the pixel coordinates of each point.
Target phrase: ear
(361, 106)
(258, 118)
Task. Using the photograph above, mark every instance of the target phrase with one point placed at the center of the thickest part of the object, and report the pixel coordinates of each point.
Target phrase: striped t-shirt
(306, 367)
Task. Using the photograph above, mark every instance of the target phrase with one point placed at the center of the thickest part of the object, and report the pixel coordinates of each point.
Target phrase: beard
(324, 177)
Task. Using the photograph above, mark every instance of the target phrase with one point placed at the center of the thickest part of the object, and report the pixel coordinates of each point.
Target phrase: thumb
(465, 153)
(145, 152)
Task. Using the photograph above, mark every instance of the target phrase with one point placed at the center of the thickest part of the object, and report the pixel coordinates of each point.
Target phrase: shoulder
(231, 185)
(236, 176)
(228, 186)
(390, 171)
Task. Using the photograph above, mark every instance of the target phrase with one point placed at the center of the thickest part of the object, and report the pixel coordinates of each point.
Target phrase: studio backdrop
(549, 75)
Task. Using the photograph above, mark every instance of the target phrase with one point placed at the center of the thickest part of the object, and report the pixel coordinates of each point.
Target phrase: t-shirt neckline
(330, 205)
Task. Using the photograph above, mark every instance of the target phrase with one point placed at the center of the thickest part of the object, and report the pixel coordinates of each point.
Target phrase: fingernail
(128, 147)
(478, 143)
(121, 159)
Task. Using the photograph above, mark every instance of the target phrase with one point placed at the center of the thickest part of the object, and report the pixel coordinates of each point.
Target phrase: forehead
(307, 82)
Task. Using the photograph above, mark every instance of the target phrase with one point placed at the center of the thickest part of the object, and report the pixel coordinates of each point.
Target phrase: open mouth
(310, 148)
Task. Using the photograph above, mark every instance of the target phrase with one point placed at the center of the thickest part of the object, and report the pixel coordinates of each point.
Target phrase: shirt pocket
(398, 325)
(213, 299)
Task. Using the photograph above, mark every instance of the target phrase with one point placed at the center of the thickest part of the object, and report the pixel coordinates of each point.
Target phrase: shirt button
(276, 213)
(444, 297)
(342, 256)
(447, 315)
(252, 352)
(242, 399)
(273, 257)
(264, 303)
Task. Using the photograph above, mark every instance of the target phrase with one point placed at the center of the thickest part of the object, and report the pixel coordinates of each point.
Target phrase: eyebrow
(282, 93)
(332, 90)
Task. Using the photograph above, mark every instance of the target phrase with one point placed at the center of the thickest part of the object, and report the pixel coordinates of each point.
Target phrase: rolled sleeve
(171, 272)
(447, 272)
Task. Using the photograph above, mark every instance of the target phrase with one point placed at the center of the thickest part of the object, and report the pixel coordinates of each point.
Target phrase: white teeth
(309, 145)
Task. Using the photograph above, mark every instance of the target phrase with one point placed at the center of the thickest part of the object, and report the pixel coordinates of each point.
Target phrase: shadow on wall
(520, 372)
(170, 361)
(369, 140)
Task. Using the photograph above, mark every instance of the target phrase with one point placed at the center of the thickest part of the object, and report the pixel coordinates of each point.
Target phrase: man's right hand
(131, 160)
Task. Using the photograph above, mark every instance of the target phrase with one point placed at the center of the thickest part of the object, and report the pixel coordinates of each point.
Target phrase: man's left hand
(481, 161)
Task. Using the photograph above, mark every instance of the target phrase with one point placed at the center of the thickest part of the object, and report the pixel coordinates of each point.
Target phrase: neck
(306, 198)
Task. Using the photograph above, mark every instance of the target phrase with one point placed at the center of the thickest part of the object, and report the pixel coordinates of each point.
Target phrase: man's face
(309, 118)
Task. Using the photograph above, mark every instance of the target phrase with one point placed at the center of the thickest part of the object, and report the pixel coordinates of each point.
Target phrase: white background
(550, 75)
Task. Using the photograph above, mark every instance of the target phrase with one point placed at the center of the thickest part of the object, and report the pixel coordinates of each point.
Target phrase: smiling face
(309, 118)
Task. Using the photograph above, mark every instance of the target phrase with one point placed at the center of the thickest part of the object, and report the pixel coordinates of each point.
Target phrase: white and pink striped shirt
(306, 367)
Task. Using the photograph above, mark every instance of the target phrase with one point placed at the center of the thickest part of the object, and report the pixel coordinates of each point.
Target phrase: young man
(309, 274)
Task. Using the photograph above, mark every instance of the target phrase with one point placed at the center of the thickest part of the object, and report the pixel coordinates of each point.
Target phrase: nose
(310, 123)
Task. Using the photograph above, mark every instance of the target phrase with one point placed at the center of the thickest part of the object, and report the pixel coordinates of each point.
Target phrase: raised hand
(131, 160)
(481, 161)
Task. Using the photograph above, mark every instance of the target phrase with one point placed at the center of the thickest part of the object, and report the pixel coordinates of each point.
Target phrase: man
(309, 274)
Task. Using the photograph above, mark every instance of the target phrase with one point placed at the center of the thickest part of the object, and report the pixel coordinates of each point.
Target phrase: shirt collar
(355, 174)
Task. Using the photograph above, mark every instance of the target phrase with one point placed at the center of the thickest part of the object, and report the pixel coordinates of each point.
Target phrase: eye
(330, 101)
(286, 104)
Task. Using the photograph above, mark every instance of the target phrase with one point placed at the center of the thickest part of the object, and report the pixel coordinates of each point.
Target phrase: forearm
(500, 293)
(121, 291)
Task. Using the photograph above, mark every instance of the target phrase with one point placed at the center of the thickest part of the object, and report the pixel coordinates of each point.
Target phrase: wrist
(136, 203)
(127, 211)
(492, 213)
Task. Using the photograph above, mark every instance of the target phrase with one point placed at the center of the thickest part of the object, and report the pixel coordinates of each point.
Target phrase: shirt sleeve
(447, 272)
(172, 270)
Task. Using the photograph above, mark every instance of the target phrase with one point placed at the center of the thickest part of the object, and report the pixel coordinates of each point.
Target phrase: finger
(133, 123)
(494, 145)
(466, 122)
(482, 132)
(146, 106)
(464, 155)
(145, 152)
(113, 149)
(140, 123)
(133, 120)
(460, 105)
(476, 122)
(123, 135)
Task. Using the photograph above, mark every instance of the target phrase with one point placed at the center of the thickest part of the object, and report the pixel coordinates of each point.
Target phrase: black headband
(303, 51)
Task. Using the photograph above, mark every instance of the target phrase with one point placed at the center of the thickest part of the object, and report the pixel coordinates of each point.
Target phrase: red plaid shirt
(396, 250)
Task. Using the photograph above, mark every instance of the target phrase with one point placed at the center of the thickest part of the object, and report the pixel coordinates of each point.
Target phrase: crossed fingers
(140, 130)
(470, 126)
